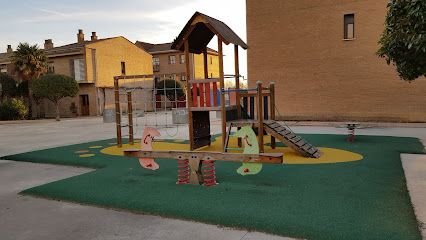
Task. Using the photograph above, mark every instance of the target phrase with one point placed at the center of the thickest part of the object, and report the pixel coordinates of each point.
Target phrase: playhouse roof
(200, 30)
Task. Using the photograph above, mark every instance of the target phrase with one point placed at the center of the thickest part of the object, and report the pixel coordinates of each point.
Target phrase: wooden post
(117, 113)
(222, 94)
(130, 117)
(237, 86)
(206, 76)
(195, 174)
(260, 115)
(188, 96)
(206, 69)
(272, 107)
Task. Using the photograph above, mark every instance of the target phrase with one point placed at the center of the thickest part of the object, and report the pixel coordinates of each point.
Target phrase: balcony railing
(156, 68)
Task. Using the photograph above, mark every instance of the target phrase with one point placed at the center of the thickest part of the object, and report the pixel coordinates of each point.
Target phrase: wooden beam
(227, 138)
(117, 113)
(206, 69)
(272, 107)
(222, 94)
(188, 96)
(202, 155)
(195, 81)
(130, 117)
(206, 76)
(260, 115)
(195, 174)
(237, 86)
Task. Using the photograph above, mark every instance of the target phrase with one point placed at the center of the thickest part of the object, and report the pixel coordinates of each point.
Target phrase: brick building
(93, 63)
(321, 55)
(170, 63)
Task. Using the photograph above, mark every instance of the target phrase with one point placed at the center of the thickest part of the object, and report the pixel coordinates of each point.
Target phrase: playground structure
(257, 110)
(136, 95)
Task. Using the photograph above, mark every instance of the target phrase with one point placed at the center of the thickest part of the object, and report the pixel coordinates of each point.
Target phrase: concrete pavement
(25, 217)
(415, 168)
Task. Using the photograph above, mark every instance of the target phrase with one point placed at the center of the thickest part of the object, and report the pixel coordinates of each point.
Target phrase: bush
(8, 85)
(13, 109)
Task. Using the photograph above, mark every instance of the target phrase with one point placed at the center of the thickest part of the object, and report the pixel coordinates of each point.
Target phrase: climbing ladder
(290, 139)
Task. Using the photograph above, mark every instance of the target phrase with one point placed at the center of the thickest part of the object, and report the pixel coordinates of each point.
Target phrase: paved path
(25, 217)
(415, 171)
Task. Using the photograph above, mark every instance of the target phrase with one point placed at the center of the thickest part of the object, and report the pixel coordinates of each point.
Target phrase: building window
(183, 78)
(50, 67)
(172, 59)
(211, 75)
(211, 60)
(123, 68)
(349, 27)
(182, 58)
(3, 68)
(77, 69)
(155, 61)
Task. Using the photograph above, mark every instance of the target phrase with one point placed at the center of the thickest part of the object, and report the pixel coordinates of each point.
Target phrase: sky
(137, 20)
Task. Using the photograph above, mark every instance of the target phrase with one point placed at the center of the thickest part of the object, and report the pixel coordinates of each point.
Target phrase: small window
(211, 75)
(211, 60)
(349, 27)
(155, 61)
(3, 68)
(50, 67)
(78, 69)
(123, 68)
(182, 58)
(172, 59)
(183, 78)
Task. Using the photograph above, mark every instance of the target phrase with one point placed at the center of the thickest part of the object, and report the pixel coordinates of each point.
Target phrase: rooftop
(200, 30)
(69, 49)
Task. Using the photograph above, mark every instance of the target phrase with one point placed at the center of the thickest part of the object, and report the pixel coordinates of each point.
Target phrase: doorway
(84, 101)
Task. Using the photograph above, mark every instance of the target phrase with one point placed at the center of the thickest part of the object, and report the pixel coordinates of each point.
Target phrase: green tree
(55, 87)
(8, 86)
(171, 88)
(403, 42)
(29, 62)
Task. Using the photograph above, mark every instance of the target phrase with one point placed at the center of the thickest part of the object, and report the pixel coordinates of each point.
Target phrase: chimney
(9, 48)
(48, 44)
(94, 37)
(80, 36)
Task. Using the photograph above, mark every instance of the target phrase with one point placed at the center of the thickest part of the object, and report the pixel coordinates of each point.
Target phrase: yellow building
(321, 55)
(170, 63)
(93, 63)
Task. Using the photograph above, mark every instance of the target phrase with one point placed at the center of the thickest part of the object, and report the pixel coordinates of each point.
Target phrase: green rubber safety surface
(365, 199)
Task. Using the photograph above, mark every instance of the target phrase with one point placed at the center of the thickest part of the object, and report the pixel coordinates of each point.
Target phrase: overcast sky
(145, 20)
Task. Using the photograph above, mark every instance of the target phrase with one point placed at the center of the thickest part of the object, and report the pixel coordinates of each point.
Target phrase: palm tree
(29, 63)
